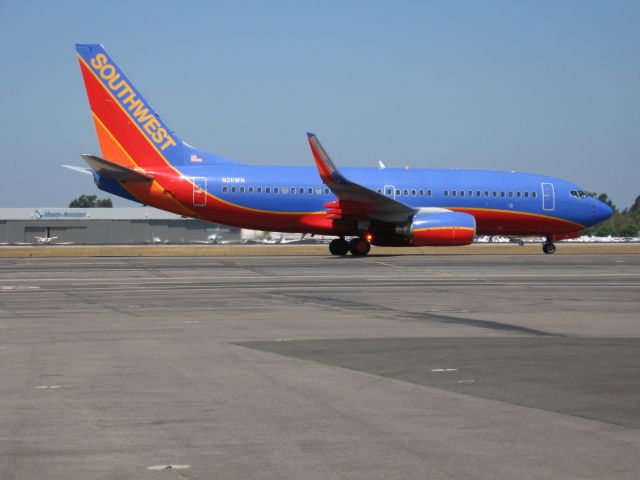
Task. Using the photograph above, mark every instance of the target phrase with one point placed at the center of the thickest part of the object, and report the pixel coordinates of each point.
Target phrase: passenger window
(326, 191)
(486, 193)
(397, 192)
(267, 190)
(285, 190)
(446, 193)
(233, 189)
(225, 189)
(318, 190)
(293, 189)
(250, 189)
(413, 193)
(275, 189)
(502, 194)
(429, 193)
(259, 189)
(470, 193)
(389, 191)
(421, 192)
(526, 194)
(301, 191)
(534, 194)
(405, 192)
(519, 194)
(478, 193)
(495, 194)
(454, 193)
(510, 194)
(309, 190)
(241, 189)
(462, 193)
(379, 190)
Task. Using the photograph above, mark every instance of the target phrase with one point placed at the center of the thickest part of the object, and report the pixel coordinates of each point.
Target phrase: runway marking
(168, 467)
(411, 276)
(43, 387)
(466, 381)
(444, 369)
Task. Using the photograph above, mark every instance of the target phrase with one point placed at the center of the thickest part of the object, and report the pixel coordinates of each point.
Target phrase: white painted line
(43, 387)
(444, 369)
(168, 467)
(466, 381)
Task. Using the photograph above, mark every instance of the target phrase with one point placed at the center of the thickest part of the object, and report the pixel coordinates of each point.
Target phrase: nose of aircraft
(601, 211)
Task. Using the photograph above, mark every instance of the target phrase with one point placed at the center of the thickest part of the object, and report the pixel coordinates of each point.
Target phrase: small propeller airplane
(143, 160)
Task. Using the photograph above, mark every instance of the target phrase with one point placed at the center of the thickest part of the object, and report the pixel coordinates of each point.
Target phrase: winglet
(328, 170)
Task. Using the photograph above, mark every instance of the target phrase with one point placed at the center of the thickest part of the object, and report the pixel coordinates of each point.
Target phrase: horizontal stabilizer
(85, 170)
(115, 171)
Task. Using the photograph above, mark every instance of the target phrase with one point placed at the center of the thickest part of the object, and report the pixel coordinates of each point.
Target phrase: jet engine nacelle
(442, 229)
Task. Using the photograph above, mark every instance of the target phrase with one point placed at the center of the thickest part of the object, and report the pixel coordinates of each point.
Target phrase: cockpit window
(579, 194)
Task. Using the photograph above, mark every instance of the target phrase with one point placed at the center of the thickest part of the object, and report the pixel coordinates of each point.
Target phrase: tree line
(625, 223)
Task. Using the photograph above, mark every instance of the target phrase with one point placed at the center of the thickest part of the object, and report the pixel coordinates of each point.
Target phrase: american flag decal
(195, 159)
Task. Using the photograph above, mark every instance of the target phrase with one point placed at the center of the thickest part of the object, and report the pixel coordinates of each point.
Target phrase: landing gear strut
(339, 246)
(548, 248)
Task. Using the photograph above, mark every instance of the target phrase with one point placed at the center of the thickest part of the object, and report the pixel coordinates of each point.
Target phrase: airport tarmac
(382, 367)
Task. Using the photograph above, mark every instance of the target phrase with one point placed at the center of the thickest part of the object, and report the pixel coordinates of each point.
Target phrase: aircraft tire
(359, 247)
(339, 246)
(549, 248)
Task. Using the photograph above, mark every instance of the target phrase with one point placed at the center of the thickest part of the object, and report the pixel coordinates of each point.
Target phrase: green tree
(104, 203)
(90, 201)
(629, 230)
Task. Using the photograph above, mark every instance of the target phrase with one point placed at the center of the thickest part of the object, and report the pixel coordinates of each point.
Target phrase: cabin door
(199, 191)
(548, 197)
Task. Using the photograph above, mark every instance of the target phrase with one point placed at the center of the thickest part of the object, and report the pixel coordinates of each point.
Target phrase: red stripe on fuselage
(501, 222)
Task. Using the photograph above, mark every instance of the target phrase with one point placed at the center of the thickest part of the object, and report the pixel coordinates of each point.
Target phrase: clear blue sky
(551, 87)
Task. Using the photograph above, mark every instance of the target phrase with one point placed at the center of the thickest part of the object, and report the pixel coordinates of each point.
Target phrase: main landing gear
(548, 247)
(357, 246)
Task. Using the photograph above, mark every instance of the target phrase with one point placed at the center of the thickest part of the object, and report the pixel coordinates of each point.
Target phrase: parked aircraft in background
(145, 161)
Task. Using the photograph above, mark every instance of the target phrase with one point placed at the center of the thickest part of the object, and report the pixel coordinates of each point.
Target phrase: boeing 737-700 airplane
(143, 160)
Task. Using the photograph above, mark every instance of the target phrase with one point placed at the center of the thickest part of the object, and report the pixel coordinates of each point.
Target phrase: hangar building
(95, 226)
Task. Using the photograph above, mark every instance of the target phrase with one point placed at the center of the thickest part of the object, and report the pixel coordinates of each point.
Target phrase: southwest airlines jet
(143, 160)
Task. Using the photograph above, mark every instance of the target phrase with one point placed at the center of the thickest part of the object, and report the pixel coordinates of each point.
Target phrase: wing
(355, 202)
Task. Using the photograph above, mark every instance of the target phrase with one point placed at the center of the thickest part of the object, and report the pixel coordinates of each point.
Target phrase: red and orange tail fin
(130, 131)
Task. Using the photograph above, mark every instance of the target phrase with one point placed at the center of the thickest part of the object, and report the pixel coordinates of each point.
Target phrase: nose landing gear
(548, 247)
(357, 246)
